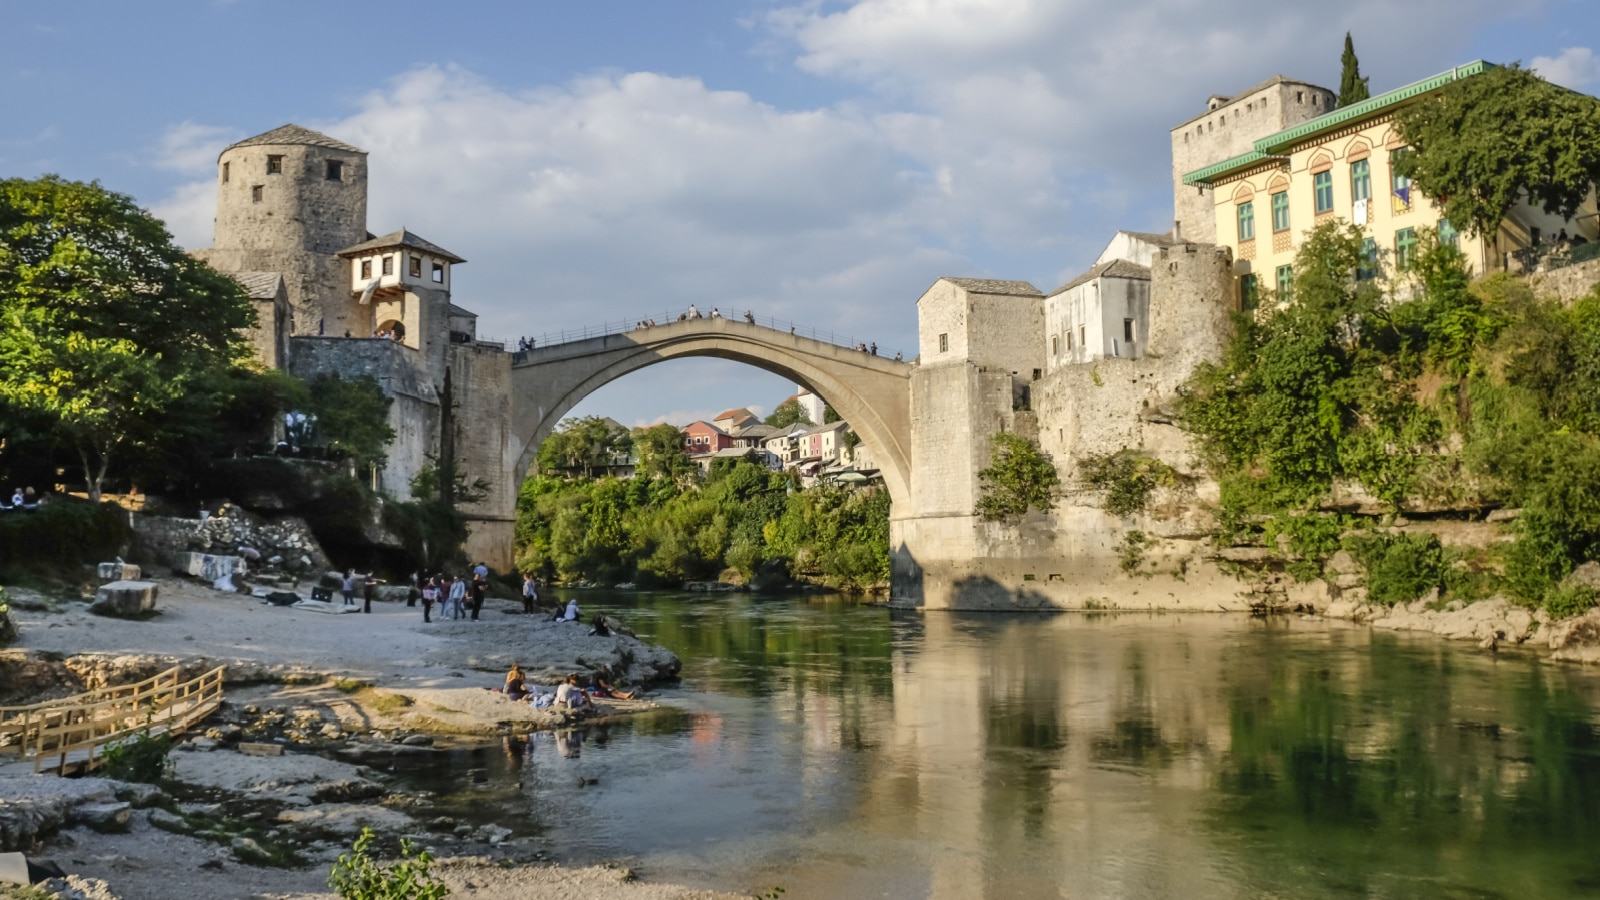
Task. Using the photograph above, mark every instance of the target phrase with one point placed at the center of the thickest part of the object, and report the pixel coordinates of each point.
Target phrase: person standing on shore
(478, 586)
(430, 592)
(458, 597)
(348, 589)
(369, 587)
(530, 594)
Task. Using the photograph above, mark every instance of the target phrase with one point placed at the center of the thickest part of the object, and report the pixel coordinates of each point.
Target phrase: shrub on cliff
(1020, 477)
(63, 531)
(1128, 478)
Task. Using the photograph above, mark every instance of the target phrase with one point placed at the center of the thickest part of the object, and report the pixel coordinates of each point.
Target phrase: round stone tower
(287, 202)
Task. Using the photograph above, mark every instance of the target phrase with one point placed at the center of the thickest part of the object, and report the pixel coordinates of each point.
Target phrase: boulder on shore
(125, 598)
(119, 571)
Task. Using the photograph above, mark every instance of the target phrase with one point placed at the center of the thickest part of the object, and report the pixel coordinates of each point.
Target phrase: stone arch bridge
(870, 392)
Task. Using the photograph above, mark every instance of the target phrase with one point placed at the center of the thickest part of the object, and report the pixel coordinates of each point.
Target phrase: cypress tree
(1352, 87)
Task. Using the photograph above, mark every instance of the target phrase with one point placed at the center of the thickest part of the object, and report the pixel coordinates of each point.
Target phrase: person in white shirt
(571, 613)
(570, 694)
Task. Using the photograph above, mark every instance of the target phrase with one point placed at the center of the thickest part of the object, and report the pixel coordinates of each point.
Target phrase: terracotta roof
(1116, 268)
(259, 285)
(294, 134)
(995, 286)
(401, 238)
(740, 413)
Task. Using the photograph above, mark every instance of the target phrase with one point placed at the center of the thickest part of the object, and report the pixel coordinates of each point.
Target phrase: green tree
(352, 417)
(110, 335)
(1486, 143)
(1352, 87)
(660, 450)
(585, 443)
(1020, 477)
(788, 413)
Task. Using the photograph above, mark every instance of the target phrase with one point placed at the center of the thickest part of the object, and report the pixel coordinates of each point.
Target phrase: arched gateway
(868, 391)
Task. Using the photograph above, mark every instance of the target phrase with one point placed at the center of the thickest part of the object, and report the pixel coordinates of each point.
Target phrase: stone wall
(1072, 558)
(162, 539)
(485, 447)
(1569, 282)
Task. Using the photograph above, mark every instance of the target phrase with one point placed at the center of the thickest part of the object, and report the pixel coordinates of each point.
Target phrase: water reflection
(841, 751)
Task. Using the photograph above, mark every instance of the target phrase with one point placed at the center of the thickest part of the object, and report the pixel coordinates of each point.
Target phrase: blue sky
(818, 160)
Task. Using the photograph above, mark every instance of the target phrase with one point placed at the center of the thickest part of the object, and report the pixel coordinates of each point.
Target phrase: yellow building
(1340, 166)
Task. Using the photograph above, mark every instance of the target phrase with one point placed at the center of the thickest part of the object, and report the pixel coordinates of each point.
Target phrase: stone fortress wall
(288, 202)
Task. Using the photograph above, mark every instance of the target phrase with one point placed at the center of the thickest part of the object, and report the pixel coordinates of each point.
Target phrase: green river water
(840, 750)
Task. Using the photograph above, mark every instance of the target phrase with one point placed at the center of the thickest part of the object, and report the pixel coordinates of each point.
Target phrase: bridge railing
(589, 332)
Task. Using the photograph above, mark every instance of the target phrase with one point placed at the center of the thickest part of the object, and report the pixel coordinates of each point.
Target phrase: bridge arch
(868, 391)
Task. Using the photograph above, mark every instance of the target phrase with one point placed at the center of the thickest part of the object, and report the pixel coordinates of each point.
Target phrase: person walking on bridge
(694, 313)
(750, 317)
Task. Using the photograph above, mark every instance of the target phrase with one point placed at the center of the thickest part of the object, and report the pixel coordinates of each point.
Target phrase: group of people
(524, 344)
(389, 334)
(573, 692)
(22, 498)
(458, 597)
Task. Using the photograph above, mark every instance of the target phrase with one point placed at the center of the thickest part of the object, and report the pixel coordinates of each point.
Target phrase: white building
(1105, 312)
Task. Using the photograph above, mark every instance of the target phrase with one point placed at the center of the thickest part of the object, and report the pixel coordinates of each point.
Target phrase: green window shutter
(1360, 180)
(1285, 284)
(1280, 211)
(1405, 248)
(1247, 221)
(1248, 291)
(1322, 183)
(1367, 269)
(1447, 233)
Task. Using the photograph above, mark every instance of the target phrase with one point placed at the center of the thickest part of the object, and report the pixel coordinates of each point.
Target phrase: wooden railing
(73, 729)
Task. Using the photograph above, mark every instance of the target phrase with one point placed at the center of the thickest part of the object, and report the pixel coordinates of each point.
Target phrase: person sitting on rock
(571, 612)
(570, 694)
(516, 686)
(603, 688)
(597, 626)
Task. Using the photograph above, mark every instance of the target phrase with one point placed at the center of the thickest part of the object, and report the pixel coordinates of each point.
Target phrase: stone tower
(287, 202)
(1229, 127)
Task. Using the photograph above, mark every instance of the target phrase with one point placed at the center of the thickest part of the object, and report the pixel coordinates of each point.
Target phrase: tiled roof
(259, 285)
(1116, 268)
(1165, 240)
(294, 134)
(995, 286)
(1229, 101)
(740, 413)
(757, 430)
(401, 238)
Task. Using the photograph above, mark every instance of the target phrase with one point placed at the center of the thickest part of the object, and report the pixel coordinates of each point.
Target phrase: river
(840, 750)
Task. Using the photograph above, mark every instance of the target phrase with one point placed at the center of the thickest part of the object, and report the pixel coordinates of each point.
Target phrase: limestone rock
(1586, 575)
(207, 567)
(106, 818)
(119, 571)
(247, 850)
(76, 887)
(125, 598)
(140, 796)
(166, 821)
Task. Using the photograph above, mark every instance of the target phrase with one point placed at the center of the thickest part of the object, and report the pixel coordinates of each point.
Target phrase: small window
(256, 193)
(438, 273)
(1447, 234)
(1285, 284)
(366, 268)
(225, 167)
(335, 170)
(416, 267)
(275, 164)
(388, 265)
(1367, 269)
(1299, 96)
(1127, 330)
(1322, 186)
(1249, 291)
(944, 343)
(1361, 180)
(1055, 345)
(1405, 248)
(1247, 221)
(1082, 339)
(1038, 374)
(1069, 340)
(1280, 211)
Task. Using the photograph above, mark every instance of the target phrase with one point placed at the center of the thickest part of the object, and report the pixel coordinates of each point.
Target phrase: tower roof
(295, 134)
(1116, 268)
(994, 286)
(401, 238)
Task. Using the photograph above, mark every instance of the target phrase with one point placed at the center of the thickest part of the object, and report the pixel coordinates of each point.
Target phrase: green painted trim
(1276, 144)
(1205, 176)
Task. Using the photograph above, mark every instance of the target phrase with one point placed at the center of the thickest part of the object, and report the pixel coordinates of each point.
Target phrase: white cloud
(1573, 67)
(190, 146)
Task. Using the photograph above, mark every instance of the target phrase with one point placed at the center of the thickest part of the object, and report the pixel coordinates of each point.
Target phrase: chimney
(1177, 229)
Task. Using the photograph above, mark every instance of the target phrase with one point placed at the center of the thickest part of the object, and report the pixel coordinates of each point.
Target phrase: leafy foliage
(1483, 144)
(1128, 477)
(1352, 87)
(1400, 567)
(141, 756)
(1020, 477)
(352, 417)
(666, 530)
(582, 445)
(359, 876)
(788, 413)
(112, 339)
(64, 531)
